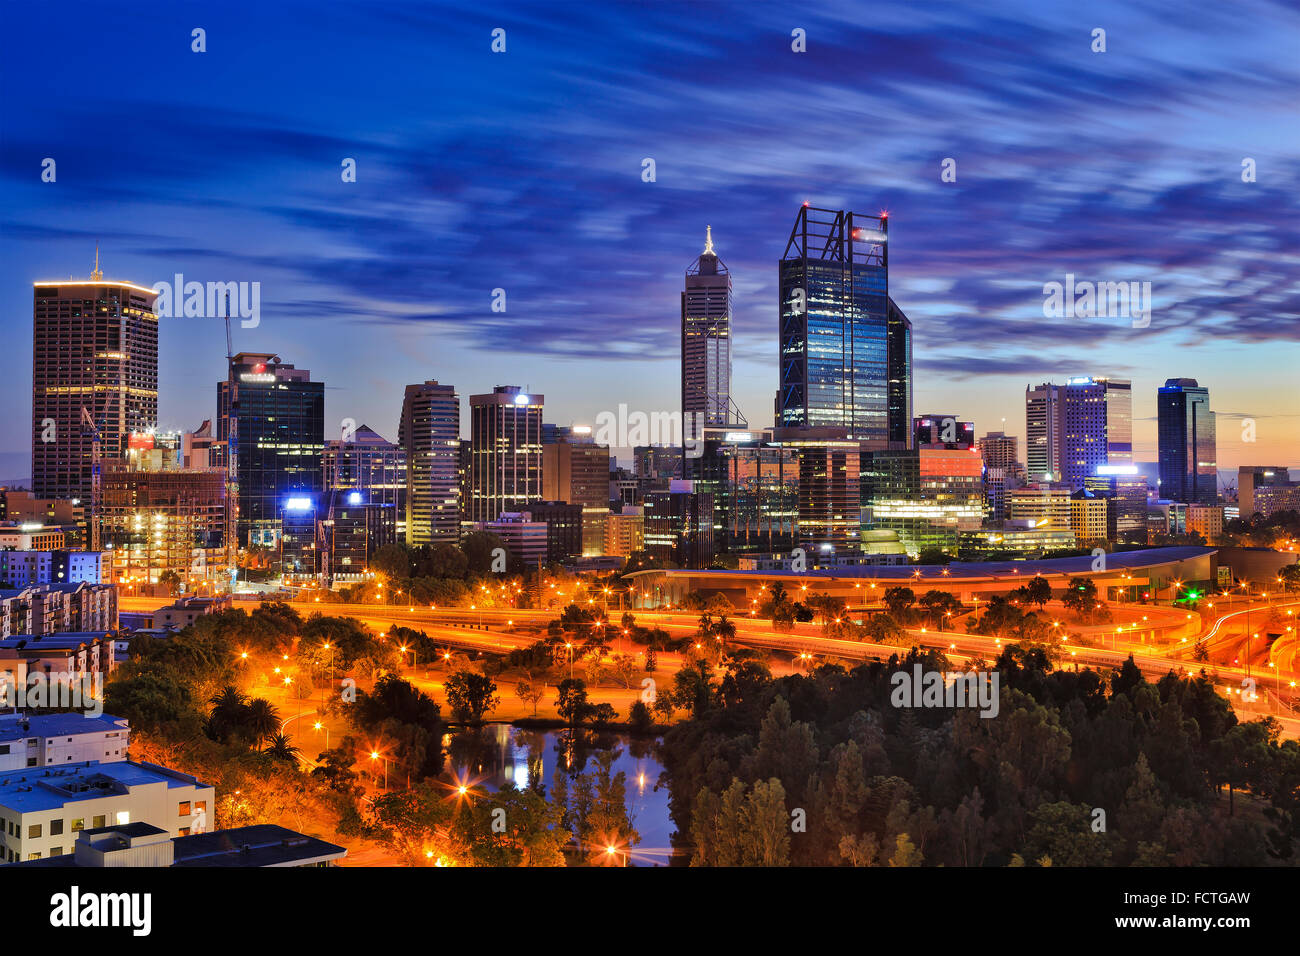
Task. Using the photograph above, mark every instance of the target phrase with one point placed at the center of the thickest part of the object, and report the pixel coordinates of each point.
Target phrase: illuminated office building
(505, 474)
(271, 419)
(94, 347)
(1189, 468)
(369, 463)
(845, 349)
(429, 433)
(706, 343)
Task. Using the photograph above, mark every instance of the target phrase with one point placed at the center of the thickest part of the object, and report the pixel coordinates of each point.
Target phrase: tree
(470, 696)
(262, 719)
(278, 747)
(937, 605)
(1080, 596)
(1038, 591)
(392, 561)
(899, 600)
(170, 580)
(571, 700)
(529, 692)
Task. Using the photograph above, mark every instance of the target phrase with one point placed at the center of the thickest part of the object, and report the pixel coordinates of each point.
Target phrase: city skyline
(392, 282)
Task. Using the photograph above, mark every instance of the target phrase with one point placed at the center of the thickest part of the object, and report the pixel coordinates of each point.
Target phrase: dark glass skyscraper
(276, 416)
(845, 359)
(1189, 469)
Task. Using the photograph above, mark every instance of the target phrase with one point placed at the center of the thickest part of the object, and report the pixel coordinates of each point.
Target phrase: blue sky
(522, 171)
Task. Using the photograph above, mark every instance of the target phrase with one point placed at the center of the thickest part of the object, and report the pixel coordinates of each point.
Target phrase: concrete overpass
(1151, 571)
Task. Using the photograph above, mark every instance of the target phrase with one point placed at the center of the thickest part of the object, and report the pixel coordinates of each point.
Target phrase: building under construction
(158, 515)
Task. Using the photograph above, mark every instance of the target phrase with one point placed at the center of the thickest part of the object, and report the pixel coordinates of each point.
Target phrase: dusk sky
(523, 170)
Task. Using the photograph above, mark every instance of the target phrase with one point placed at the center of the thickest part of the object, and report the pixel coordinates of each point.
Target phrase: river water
(495, 754)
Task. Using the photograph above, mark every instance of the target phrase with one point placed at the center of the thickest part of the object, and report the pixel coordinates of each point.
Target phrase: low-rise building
(625, 531)
(43, 740)
(187, 610)
(143, 844)
(20, 569)
(43, 810)
(54, 608)
(1206, 520)
(31, 536)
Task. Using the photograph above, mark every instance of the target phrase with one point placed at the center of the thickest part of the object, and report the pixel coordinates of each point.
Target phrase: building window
(98, 821)
(200, 806)
(56, 827)
(123, 817)
(33, 831)
(78, 824)
(34, 856)
(184, 808)
(31, 761)
(56, 851)
(185, 831)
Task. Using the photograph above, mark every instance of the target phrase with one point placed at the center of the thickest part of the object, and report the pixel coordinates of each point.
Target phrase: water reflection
(495, 754)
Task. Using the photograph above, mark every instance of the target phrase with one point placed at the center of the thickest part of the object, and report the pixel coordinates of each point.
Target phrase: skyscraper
(845, 358)
(274, 416)
(1043, 425)
(365, 461)
(1189, 470)
(429, 433)
(505, 452)
(1000, 450)
(94, 346)
(706, 342)
(1097, 417)
(575, 469)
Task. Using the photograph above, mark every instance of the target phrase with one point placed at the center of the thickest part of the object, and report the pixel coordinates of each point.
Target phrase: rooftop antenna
(708, 241)
(96, 275)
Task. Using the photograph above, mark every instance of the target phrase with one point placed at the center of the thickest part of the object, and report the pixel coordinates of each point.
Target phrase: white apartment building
(43, 809)
(45, 740)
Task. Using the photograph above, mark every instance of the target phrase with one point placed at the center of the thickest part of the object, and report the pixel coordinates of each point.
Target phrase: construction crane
(96, 435)
(232, 485)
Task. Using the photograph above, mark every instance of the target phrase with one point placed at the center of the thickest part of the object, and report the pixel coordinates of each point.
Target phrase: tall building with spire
(706, 343)
(94, 348)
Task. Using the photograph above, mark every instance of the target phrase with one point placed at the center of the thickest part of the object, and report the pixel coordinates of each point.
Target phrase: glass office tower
(1189, 469)
(835, 315)
(273, 417)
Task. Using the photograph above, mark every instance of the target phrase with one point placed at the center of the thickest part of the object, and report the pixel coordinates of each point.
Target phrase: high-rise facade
(367, 462)
(575, 469)
(844, 356)
(505, 473)
(1000, 450)
(429, 434)
(1043, 426)
(94, 347)
(1189, 469)
(706, 342)
(273, 417)
(1097, 427)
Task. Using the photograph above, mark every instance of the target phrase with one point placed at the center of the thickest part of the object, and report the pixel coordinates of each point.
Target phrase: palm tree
(261, 719)
(278, 746)
(724, 630)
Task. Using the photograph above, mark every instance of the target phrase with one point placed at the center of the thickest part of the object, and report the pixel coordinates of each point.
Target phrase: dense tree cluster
(1077, 768)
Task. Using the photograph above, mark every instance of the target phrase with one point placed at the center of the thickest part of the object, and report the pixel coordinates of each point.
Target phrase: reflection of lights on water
(521, 775)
